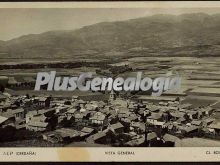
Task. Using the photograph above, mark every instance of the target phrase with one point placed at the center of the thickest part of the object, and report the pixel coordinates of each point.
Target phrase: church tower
(112, 96)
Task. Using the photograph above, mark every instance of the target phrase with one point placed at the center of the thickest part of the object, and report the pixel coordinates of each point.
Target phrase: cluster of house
(119, 122)
(98, 122)
(182, 120)
(16, 110)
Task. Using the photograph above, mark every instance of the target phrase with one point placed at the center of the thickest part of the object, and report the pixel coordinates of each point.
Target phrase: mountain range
(157, 32)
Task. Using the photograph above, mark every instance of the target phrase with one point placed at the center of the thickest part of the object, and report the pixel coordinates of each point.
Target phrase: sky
(15, 22)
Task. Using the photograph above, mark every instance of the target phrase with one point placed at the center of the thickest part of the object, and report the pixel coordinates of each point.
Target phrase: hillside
(187, 34)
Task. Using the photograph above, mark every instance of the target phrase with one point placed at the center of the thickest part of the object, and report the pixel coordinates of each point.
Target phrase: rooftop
(214, 125)
(87, 130)
(117, 125)
(171, 138)
(38, 124)
(3, 119)
(98, 116)
(151, 136)
(98, 135)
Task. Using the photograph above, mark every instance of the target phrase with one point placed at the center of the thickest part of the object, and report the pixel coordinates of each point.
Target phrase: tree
(2, 88)
(27, 96)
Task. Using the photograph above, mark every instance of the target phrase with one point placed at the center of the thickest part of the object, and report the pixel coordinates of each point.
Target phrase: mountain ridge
(156, 31)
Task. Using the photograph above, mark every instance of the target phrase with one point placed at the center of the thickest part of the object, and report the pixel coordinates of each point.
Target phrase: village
(115, 121)
(186, 117)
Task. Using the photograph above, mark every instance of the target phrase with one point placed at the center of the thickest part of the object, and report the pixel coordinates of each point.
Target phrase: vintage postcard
(110, 81)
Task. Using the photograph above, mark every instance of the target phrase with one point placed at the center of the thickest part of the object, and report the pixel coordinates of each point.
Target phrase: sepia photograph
(110, 76)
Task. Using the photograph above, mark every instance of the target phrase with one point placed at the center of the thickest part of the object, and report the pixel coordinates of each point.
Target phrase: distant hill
(157, 32)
